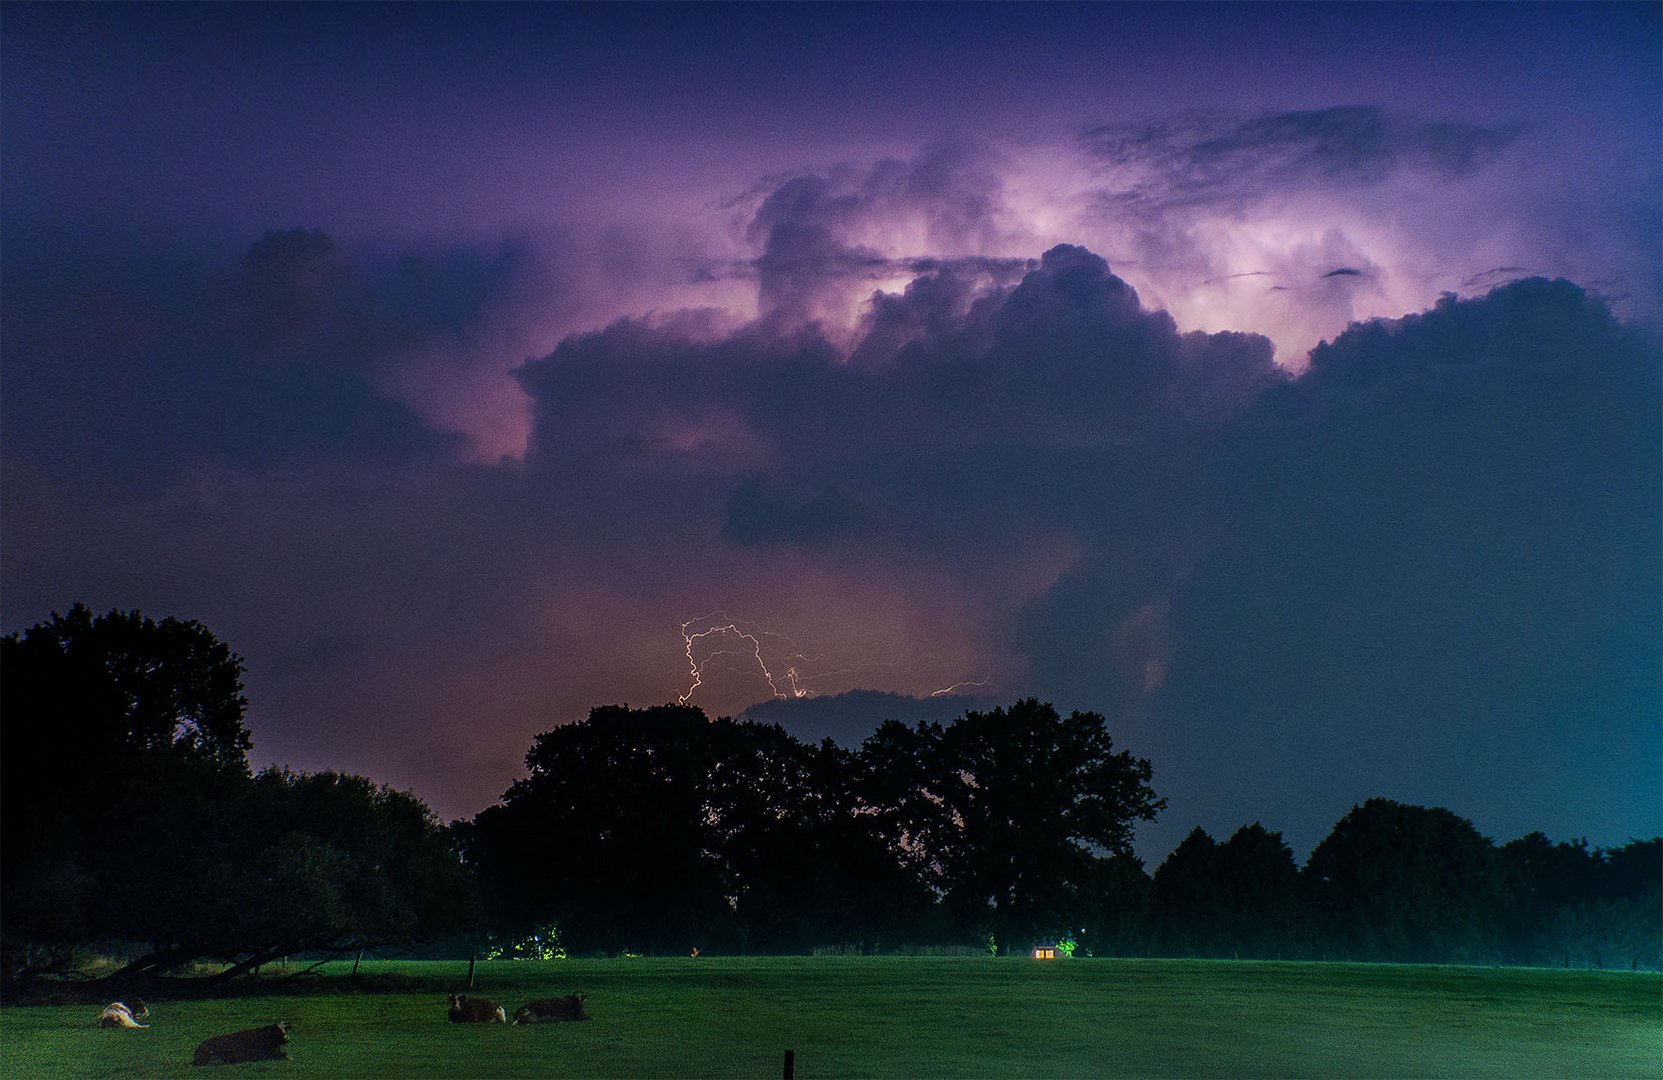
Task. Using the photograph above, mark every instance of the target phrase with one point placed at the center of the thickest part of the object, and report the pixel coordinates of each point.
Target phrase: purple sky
(468, 366)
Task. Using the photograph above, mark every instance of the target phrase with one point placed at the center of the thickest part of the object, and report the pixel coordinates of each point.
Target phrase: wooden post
(356, 961)
(790, 1065)
(471, 959)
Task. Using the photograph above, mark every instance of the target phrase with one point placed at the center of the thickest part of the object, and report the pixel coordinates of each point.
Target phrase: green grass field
(912, 1017)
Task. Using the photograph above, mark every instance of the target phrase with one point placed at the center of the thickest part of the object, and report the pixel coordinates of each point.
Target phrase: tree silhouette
(659, 830)
(124, 680)
(1264, 915)
(1574, 905)
(130, 816)
(110, 728)
(1408, 883)
(803, 868)
(1010, 811)
(607, 835)
(1188, 903)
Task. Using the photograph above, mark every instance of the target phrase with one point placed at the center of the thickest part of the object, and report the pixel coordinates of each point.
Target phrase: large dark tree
(607, 836)
(123, 681)
(803, 867)
(1631, 905)
(1187, 897)
(1009, 812)
(1241, 898)
(130, 815)
(117, 733)
(1408, 883)
(897, 782)
(660, 830)
(1265, 914)
(1543, 879)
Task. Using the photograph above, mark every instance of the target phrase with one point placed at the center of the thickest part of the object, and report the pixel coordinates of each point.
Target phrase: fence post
(790, 1065)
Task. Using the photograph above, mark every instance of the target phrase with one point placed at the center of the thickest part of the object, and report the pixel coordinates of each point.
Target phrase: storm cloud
(1418, 548)
(454, 394)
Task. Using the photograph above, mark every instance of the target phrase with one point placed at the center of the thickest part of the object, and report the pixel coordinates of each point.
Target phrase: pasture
(905, 1018)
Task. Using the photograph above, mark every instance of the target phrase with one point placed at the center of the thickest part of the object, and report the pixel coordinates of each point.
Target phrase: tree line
(130, 816)
(658, 830)
(131, 822)
(1402, 883)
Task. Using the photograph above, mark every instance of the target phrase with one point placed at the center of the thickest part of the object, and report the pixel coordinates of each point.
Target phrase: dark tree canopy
(607, 835)
(802, 868)
(337, 862)
(1009, 811)
(657, 829)
(1264, 913)
(1573, 904)
(1187, 896)
(130, 815)
(1241, 898)
(1408, 883)
(124, 680)
(113, 729)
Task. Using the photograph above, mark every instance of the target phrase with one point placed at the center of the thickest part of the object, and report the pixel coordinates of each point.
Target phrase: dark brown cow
(255, 1044)
(472, 1010)
(551, 1010)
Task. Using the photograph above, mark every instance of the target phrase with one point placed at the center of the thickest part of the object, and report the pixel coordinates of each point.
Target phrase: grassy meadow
(908, 1017)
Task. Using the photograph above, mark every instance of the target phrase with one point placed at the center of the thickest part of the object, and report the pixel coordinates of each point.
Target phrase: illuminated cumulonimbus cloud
(1164, 524)
(965, 423)
(1288, 224)
(1001, 410)
(1291, 224)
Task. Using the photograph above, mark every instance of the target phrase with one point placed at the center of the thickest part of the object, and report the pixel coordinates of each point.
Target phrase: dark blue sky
(447, 360)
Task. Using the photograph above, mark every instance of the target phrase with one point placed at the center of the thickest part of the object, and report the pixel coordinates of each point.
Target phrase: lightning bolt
(716, 634)
(945, 690)
(695, 667)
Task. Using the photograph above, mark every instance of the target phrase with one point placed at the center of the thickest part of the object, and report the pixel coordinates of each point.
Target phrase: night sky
(465, 367)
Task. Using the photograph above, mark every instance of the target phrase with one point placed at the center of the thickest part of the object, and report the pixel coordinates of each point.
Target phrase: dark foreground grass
(912, 1017)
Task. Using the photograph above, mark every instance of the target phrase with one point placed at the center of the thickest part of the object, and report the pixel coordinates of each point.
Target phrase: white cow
(118, 1015)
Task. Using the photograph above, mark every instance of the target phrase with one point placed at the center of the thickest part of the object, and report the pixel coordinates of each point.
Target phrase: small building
(1045, 952)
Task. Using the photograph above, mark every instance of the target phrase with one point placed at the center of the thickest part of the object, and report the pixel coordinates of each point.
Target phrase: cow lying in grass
(468, 1010)
(118, 1015)
(255, 1044)
(551, 1010)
